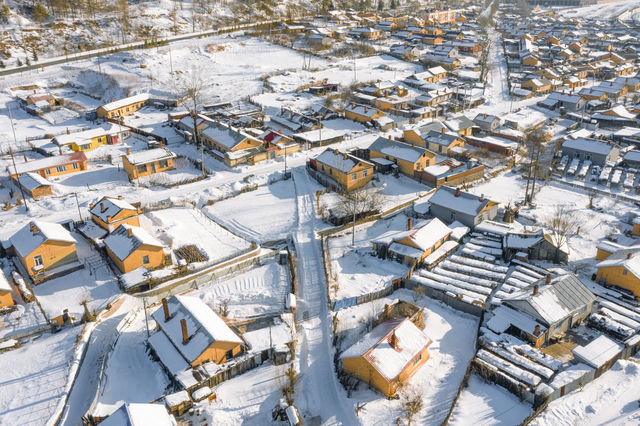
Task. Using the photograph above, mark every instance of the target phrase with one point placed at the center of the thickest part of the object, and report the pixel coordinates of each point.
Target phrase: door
(153, 167)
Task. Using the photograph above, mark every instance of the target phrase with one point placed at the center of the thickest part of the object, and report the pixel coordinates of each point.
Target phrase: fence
(596, 190)
(475, 310)
(363, 298)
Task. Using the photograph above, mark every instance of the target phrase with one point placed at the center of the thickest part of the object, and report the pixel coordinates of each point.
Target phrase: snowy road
(318, 392)
(497, 88)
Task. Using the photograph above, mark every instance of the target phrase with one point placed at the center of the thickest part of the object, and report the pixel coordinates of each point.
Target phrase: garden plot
(266, 214)
(184, 172)
(483, 403)
(258, 291)
(33, 378)
(453, 335)
(179, 227)
(130, 374)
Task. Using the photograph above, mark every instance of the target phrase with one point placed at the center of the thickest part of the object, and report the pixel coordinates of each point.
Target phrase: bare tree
(191, 87)
(563, 224)
(358, 204)
(536, 145)
(412, 402)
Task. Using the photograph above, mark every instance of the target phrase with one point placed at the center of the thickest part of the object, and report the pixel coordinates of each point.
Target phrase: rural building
(388, 355)
(442, 142)
(134, 414)
(347, 171)
(232, 145)
(452, 172)
(34, 184)
(51, 166)
(123, 107)
(361, 113)
(621, 269)
(88, 140)
(131, 247)
(6, 299)
(109, 213)
(461, 125)
(487, 122)
(196, 332)
(537, 246)
(409, 159)
(145, 163)
(632, 159)
(450, 204)
(594, 150)
(43, 247)
(554, 304)
(606, 248)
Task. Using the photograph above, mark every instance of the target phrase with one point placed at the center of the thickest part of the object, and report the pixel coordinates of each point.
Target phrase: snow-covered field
(625, 10)
(33, 378)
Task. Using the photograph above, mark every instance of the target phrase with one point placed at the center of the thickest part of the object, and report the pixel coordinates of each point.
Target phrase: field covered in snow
(33, 378)
(625, 10)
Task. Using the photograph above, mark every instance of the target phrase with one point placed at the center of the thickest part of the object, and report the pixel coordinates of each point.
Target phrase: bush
(40, 13)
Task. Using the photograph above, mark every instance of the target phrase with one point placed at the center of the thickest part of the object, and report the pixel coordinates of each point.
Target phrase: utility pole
(146, 318)
(15, 140)
(170, 60)
(78, 205)
(353, 225)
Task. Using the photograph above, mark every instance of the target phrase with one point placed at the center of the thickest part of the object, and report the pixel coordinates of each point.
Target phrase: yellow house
(226, 138)
(42, 247)
(622, 270)
(145, 163)
(51, 166)
(90, 139)
(347, 171)
(109, 213)
(408, 158)
(6, 299)
(192, 329)
(123, 107)
(131, 247)
(636, 226)
(387, 356)
(361, 113)
(536, 85)
(391, 103)
(412, 246)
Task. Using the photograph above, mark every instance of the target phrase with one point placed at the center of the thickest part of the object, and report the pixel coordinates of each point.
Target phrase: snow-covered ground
(625, 10)
(33, 378)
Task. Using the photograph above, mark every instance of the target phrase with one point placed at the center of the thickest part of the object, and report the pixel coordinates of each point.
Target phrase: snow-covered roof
(340, 161)
(428, 235)
(588, 145)
(203, 325)
(598, 352)
(628, 259)
(366, 111)
(109, 207)
(35, 233)
(440, 138)
(399, 150)
(177, 398)
(31, 181)
(122, 244)
(47, 162)
(86, 135)
(227, 136)
(137, 414)
(168, 354)
(376, 347)
(142, 97)
(632, 155)
(463, 202)
(505, 317)
(523, 240)
(149, 156)
(553, 302)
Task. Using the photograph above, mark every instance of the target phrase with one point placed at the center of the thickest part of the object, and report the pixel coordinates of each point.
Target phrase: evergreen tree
(380, 5)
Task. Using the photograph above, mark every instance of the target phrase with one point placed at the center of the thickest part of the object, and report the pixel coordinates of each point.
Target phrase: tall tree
(563, 224)
(191, 87)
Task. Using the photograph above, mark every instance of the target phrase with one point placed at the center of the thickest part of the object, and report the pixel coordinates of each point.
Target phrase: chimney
(394, 341)
(34, 229)
(548, 279)
(409, 224)
(387, 310)
(458, 192)
(352, 105)
(535, 290)
(536, 330)
(128, 151)
(119, 197)
(160, 143)
(484, 115)
(185, 333)
(629, 255)
(165, 308)
(344, 155)
(365, 109)
(102, 208)
(443, 130)
(68, 130)
(130, 232)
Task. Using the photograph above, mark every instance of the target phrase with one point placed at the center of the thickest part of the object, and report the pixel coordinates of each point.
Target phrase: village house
(570, 102)
(6, 299)
(409, 159)
(277, 144)
(412, 246)
(442, 142)
(347, 171)
(388, 355)
(534, 245)
(186, 124)
(195, 331)
(134, 414)
(606, 248)
(234, 146)
(109, 213)
(621, 269)
(89, 140)
(594, 150)
(131, 247)
(461, 125)
(537, 86)
(49, 167)
(34, 185)
(43, 248)
(487, 122)
(452, 172)
(632, 159)
(123, 107)
(145, 163)
(361, 113)
(545, 310)
(450, 204)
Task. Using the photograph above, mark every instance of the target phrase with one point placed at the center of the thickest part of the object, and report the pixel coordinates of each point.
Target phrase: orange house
(123, 107)
(109, 213)
(145, 163)
(51, 166)
(347, 171)
(361, 113)
(131, 247)
(621, 269)
(43, 246)
(387, 356)
(6, 299)
(192, 329)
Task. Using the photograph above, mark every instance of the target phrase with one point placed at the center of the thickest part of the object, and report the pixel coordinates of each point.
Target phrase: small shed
(177, 403)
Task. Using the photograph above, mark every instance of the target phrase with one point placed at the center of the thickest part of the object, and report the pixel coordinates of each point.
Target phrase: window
(37, 260)
(624, 272)
(47, 171)
(417, 360)
(142, 168)
(229, 354)
(84, 148)
(145, 260)
(453, 216)
(100, 139)
(364, 173)
(163, 164)
(330, 171)
(354, 176)
(75, 166)
(61, 168)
